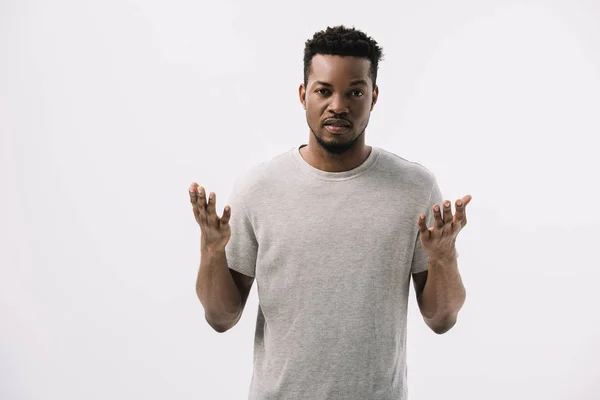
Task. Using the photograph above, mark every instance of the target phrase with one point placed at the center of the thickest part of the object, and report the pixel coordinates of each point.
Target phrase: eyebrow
(353, 83)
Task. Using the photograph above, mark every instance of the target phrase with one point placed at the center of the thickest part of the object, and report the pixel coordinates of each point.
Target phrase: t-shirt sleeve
(242, 249)
(420, 261)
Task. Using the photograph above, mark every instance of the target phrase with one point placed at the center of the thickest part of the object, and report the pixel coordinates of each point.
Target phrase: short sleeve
(242, 249)
(420, 261)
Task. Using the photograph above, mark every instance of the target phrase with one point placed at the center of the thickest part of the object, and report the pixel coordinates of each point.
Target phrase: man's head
(340, 73)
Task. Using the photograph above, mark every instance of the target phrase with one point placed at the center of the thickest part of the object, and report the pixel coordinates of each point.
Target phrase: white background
(110, 109)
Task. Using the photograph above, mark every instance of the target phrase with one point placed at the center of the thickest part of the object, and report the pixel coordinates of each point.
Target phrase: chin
(337, 145)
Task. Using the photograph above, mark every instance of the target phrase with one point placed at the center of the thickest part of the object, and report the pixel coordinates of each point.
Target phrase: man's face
(338, 99)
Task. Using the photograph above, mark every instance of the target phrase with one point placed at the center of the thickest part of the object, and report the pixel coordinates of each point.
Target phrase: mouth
(337, 126)
(337, 130)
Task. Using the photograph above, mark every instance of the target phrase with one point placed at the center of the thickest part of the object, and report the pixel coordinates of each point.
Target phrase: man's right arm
(223, 292)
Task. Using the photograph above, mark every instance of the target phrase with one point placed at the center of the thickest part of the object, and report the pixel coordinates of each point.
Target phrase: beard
(337, 147)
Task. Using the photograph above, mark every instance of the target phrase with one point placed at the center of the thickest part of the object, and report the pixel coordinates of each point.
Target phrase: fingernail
(459, 203)
(447, 204)
(436, 207)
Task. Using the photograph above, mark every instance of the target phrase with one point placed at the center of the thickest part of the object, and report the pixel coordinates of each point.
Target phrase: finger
(447, 212)
(201, 203)
(460, 210)
(422, 223)
(211, 212)
(226, 215)
(466, 199)
(194, 200)
(438, 222)
(193, 192)
(461, 205)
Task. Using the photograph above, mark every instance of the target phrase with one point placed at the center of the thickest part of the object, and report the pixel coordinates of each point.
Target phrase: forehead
(339, 69)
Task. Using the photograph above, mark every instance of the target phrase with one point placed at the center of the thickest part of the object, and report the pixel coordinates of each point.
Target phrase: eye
(325, 92)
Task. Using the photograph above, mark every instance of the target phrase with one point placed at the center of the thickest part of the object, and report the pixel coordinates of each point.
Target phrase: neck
(318, 157)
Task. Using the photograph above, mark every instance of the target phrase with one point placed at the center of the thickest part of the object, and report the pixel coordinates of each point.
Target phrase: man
(332, 232)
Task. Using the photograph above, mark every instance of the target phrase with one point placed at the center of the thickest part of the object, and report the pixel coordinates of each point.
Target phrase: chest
(334, 247)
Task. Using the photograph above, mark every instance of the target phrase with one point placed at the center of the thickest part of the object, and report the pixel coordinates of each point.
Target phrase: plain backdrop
(110, 109)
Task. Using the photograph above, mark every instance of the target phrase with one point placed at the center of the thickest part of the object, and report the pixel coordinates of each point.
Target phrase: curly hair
(342, 41)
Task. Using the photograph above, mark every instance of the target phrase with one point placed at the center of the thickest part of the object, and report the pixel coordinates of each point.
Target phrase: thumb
(422, 223)
(226, 215)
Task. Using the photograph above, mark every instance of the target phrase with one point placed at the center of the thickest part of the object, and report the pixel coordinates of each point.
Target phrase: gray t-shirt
(332, 254)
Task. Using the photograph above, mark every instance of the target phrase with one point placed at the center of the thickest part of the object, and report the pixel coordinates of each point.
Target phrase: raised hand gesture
(215, 231)
(439, 240)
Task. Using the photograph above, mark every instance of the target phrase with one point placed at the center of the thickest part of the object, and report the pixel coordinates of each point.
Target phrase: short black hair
(342, 41)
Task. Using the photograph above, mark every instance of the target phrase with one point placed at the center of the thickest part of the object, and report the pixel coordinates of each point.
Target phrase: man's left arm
(440, 291)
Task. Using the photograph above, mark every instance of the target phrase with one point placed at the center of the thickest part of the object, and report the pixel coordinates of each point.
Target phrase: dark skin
(244, 284)
(337, 87)
(341, 87)
(440, 292)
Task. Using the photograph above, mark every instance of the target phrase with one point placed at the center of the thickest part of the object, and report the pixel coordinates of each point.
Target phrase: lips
(337, 130)
(337, 122)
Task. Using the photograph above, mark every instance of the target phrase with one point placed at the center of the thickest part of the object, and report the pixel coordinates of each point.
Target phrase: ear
(374, 98)
(302, 95)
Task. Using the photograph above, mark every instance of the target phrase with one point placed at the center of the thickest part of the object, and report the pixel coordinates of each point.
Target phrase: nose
(338, 105)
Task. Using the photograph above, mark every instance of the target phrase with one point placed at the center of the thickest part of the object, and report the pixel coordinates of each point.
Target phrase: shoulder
(259, 177)
(410, 172)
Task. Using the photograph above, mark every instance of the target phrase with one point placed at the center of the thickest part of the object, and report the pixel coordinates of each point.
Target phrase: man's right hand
(215, 231)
